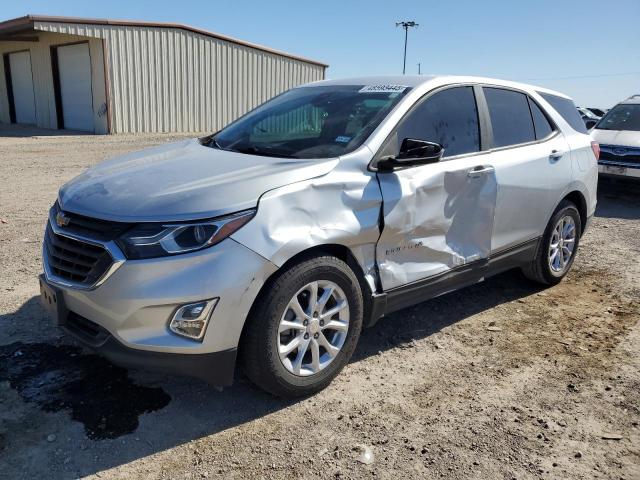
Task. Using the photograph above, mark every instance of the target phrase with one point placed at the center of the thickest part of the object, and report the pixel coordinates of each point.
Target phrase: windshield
(311, 122)
(621, 117)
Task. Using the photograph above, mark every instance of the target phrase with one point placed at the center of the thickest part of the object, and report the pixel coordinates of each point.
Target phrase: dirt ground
(503, 380)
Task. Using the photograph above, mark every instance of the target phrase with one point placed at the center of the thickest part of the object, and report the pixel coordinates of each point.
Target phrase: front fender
(342, 207)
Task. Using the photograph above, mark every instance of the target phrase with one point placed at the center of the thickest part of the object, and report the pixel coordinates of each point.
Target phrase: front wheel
(558, 246)
(304, 328)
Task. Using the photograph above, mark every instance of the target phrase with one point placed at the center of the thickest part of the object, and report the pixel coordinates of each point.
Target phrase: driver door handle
(479, 171)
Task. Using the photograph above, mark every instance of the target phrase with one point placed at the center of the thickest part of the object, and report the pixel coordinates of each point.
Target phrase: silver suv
(273, 242)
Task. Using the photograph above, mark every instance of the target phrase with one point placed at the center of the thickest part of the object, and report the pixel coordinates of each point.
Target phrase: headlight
(150, 240)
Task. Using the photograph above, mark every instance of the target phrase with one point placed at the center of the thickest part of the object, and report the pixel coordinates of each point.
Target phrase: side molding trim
(454, 279)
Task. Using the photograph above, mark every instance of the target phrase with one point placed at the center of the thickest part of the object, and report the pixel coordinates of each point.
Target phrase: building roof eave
(28, 23)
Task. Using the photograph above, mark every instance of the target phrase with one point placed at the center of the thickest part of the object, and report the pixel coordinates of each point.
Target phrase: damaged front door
(437, 216)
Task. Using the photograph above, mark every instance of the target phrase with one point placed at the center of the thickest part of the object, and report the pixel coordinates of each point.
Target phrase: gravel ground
(500, 380)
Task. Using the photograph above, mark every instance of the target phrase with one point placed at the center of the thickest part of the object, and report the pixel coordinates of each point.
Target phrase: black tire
(259, 356)
(539, 270)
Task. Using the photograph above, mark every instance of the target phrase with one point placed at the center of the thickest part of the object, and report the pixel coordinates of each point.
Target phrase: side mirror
(590, 124)
(412, 152)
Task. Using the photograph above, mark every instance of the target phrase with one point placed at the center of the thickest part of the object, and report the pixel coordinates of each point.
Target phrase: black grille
(84, 328)
(607, 154)
(74, 260)
(95, 228)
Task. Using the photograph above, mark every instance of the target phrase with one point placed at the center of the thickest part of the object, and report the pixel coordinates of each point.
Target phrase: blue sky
(589, 49)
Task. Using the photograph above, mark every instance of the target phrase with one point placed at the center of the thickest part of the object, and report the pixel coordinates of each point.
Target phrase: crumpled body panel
(436, 217)
(342, 207)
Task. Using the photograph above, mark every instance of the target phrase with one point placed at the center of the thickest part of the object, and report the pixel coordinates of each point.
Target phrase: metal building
(109, 76)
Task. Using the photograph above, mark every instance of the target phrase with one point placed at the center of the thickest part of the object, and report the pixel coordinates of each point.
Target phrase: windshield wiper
(253, 150)
(215, 143)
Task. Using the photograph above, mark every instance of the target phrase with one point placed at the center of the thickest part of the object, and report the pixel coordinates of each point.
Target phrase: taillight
(595, 146)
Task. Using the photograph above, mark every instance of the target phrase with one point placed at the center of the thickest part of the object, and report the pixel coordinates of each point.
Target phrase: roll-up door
(76, 98)
(24, 104)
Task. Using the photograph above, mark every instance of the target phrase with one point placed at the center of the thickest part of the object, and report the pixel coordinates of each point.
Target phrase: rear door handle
(556, 154)
(479, 171)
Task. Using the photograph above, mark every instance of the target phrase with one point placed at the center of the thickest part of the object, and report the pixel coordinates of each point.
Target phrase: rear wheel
(303, 328)
(558, 247)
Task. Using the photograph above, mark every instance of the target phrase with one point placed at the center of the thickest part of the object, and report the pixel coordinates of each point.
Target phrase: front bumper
(619, 161)
(617, 169)
(134, 305)
(216, 368)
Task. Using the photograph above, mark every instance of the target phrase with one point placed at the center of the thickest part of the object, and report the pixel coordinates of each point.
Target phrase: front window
(621, 117)
(448, 117)
(311, 122)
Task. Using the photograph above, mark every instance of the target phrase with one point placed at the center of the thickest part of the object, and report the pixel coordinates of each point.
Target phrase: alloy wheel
(313, 328)
(562, 245)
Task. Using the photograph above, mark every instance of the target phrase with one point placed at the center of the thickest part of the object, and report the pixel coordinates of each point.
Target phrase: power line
(575, 77)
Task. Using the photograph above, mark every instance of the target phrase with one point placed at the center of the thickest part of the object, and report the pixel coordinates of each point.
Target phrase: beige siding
(174, 80)
(43, 78)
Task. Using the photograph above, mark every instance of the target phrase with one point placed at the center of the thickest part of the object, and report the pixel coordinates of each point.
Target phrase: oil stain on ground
(96, 393)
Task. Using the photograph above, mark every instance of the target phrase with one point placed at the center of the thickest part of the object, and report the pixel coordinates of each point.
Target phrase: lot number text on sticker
(382, 89)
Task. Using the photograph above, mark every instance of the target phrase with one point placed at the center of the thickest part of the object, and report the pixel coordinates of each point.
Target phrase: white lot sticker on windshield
(382, 89)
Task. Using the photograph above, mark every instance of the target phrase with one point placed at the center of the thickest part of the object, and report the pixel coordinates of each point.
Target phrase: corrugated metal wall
(173, 80)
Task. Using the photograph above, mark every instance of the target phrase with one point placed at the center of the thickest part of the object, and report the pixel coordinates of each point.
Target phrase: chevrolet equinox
(274, 241)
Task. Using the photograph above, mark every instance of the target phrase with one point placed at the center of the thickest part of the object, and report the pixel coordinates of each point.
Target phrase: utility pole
(406, 26)
(419, 72)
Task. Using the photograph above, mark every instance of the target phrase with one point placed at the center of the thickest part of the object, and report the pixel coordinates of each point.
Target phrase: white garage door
(22, 85)
(74, 69)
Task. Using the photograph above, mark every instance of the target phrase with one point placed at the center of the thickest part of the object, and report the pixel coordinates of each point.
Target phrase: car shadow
(18, 130)
(618, 198)
(150, 413)
(427, 318)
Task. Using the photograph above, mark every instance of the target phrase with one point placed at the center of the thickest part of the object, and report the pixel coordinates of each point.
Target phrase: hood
(181, 181)
(625, 138)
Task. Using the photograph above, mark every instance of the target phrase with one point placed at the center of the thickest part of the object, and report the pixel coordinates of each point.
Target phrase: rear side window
(511, 120)
(540, 121)
(448, 117)
(567, 109)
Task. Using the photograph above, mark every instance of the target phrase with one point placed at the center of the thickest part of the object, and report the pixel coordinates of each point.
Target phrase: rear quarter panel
(584, 165)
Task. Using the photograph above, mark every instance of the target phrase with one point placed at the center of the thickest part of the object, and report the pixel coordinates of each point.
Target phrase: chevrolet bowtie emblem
(62, 220)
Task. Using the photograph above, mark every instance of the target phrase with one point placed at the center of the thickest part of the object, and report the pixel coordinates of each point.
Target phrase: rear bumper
(587, 223)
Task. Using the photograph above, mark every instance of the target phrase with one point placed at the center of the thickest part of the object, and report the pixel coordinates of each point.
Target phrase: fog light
(191, 320)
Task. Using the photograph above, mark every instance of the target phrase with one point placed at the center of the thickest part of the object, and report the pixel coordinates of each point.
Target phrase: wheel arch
(578, 199)
(341, 252)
